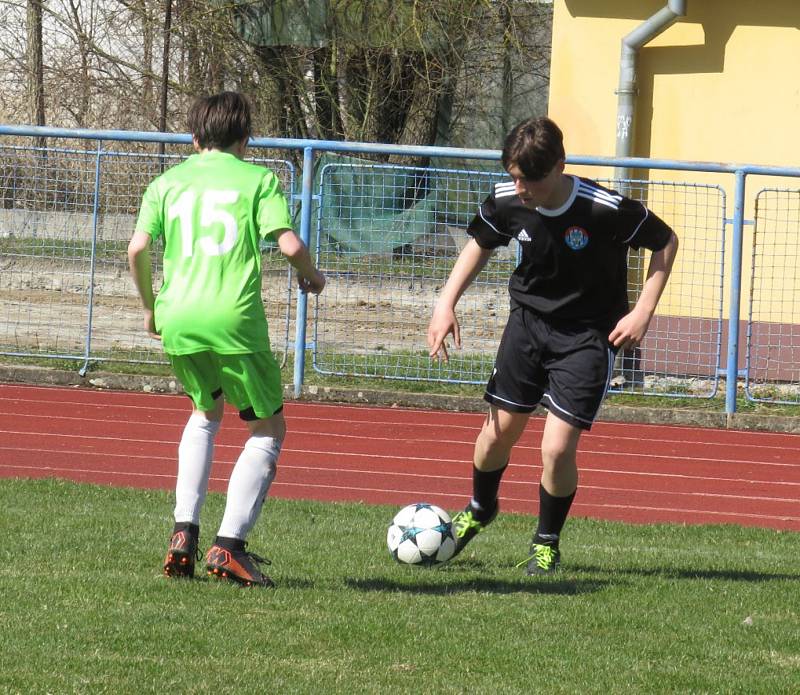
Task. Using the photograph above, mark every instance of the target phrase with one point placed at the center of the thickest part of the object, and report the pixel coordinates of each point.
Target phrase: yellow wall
(720, 85)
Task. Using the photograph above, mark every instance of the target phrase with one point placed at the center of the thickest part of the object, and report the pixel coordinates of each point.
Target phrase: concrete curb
(396, 399)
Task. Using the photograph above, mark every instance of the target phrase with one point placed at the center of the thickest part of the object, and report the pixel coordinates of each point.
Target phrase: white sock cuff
(269, 445)
(201, 422)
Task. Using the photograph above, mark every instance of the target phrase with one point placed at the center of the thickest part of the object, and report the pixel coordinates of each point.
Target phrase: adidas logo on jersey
(523, 236)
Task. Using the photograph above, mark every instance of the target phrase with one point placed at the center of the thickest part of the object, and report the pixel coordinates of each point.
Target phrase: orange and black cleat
(237, 566)
(181, 554)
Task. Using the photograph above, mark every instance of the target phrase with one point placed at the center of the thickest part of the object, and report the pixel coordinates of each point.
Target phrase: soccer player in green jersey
(212, 211)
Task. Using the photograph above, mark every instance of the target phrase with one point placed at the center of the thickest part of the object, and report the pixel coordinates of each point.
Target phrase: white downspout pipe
(627, 90)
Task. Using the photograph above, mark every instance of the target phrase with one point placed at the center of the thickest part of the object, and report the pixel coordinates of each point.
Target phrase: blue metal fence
(386, 235)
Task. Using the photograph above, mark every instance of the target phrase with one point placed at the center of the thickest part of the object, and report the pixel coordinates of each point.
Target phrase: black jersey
(574, 259)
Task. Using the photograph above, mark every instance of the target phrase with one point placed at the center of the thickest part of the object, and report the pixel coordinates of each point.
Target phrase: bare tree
(388, 71)
(397, 71)
(35, 62)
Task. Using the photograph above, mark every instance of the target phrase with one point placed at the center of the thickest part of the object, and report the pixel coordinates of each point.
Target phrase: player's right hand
(443, 323)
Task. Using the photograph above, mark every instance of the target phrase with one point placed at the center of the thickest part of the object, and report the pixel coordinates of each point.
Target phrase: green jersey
(212, 211)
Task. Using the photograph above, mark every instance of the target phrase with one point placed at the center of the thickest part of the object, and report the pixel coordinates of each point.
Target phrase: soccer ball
(421, 534)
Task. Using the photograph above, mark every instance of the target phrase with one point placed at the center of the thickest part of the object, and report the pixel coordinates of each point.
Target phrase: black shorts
(566, 370)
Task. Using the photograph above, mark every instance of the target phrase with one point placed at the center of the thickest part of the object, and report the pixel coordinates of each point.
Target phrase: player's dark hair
(535, 146)
(220, 120)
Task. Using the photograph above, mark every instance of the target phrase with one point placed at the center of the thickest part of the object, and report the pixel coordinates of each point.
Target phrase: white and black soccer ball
(421, 534)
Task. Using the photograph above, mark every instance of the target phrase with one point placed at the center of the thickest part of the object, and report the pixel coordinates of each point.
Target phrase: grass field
(636, 609)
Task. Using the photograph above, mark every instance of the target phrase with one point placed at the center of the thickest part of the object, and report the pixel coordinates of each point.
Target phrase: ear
(196, 144)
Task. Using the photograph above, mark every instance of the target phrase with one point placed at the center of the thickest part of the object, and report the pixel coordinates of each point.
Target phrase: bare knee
(559, 443)
(557, 452)
(273, 426)
(497, 437)
(216, 412)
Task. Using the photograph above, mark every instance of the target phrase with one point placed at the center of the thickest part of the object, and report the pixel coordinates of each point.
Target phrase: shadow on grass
(678, 573)
(531, 585)
(204, 580)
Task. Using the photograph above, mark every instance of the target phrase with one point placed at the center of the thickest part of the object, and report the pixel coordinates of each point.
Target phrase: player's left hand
(630, 330)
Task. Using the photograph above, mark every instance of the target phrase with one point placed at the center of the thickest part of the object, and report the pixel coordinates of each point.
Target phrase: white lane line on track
(468, 428)
(444, 495)
(583, 452)
(338, 407)
(417, 475)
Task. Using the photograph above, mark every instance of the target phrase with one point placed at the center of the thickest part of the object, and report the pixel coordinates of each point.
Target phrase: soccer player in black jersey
(569, 317)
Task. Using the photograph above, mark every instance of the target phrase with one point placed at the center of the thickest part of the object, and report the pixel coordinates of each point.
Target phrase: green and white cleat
(543, 559)
(467, 526)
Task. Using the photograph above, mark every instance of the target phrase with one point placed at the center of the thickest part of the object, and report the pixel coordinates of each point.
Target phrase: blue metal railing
(310, 149)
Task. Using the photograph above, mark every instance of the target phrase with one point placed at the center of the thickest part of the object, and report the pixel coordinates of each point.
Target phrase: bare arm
(469, 263)
(142, 272)
(309, 279)
(631, 328)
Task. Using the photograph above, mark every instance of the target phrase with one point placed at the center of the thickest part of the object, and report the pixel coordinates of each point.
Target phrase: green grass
(655, 609)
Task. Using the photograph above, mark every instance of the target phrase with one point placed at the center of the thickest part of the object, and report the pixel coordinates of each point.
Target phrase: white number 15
(211, 211)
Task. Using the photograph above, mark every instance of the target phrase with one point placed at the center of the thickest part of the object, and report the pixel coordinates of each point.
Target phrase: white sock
(248, 487)
(195, 453)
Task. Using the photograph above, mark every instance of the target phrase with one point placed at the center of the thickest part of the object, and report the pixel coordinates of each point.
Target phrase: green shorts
(250, 382)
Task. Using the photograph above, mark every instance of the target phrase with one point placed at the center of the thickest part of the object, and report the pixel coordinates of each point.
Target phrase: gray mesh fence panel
(372, 316)
(773, 332)
(65, 290)
(371, 319)
(681, 352)
(46, 251)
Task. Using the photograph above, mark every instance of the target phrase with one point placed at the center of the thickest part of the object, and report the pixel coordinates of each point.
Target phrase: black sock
(552, 516)
(193, 529)
(485, 485)
(232, 544)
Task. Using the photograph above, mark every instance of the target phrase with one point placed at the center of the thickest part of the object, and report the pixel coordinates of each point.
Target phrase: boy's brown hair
(220, 120)
(535, 146)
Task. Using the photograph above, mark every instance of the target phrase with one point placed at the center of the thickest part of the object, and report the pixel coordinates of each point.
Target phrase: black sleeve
(640, 227)
(487, 226)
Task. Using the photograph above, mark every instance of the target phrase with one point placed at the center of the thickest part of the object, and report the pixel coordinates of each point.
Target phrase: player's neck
(237, 149)
(227, 150)
(561, 193)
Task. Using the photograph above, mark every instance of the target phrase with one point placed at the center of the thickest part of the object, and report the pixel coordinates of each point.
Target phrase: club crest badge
(576, 238)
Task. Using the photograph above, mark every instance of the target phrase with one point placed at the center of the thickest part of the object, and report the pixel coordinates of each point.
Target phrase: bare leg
(559, 456)
(500, 432)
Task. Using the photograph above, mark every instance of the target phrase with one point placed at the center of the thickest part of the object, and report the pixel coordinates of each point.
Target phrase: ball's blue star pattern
(407, 526)
(410, 532)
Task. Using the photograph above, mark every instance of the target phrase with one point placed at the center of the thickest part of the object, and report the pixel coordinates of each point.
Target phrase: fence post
(732, 366)
(93, 263)
(302, 297)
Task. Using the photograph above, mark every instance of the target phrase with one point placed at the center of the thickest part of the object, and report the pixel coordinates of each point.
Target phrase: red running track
(629, 472)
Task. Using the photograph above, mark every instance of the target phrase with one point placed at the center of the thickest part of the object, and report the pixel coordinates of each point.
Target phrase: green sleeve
(272, 207)
(151, 219)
